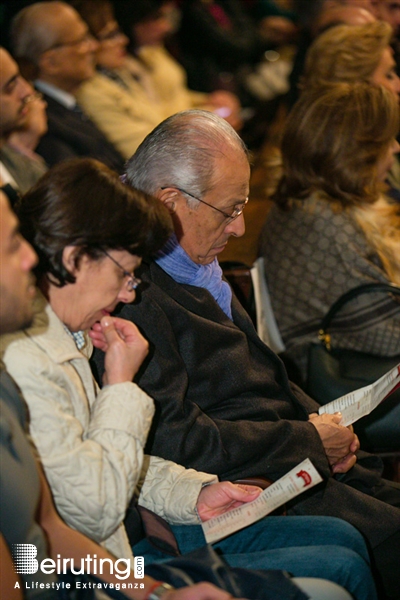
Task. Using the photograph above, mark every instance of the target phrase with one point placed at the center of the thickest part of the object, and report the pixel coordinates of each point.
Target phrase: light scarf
(176, 262)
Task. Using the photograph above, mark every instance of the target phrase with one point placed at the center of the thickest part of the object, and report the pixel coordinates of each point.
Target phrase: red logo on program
(306, 476)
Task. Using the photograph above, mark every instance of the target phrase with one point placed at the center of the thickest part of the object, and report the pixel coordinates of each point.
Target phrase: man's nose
(26, 89)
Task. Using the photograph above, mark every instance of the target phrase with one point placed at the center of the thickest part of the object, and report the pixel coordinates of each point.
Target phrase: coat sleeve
(170, 490)
(196, 432)
(92, 459)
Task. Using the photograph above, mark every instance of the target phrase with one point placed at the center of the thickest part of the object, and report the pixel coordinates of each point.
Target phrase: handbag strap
(365, 288)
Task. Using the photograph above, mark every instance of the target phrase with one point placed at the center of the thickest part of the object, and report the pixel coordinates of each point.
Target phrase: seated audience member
(334, 14)
(353, 54)
(217, 42)
(331, 228)
(28, 515)
(332, 11)
(222, 392)
(51, 41)
(18, 171)
(276, 24)
(334, 204)
(130, 95)
(25, 138)
(89, 231)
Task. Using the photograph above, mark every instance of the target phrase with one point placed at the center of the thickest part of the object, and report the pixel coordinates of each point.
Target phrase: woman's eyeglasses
(132, 282)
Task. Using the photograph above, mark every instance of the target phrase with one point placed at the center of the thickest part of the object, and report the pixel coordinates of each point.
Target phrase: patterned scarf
(175, 261)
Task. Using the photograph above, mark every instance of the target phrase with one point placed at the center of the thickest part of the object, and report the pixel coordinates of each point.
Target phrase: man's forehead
(234, 178)
(64, 22)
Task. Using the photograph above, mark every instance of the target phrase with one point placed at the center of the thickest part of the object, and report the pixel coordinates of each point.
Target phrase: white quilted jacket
(90, 441)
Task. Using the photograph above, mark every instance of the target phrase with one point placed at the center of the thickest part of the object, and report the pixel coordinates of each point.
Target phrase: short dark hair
(129, 13)
(83, 203)
(96, 13)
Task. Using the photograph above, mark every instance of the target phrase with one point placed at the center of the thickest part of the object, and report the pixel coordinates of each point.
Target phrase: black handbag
(333, 372)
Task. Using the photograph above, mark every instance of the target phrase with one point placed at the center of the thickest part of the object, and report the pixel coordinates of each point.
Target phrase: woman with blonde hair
(331, 228)
(348, 53)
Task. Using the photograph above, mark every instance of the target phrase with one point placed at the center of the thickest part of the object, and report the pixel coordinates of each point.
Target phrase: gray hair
(181, 152)
(34, 30)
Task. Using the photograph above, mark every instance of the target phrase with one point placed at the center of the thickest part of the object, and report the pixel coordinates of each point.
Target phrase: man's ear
(169, 197)
(48, 63)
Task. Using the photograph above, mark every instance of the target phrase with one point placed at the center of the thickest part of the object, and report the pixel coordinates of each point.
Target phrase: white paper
(302, 477)
(361, 402)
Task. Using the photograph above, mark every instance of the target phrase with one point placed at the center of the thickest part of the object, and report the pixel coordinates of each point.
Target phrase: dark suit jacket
(224, 404)
(70, 135)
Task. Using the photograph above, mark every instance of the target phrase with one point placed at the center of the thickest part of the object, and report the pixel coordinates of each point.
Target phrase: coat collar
(192, 298)
(48, 332)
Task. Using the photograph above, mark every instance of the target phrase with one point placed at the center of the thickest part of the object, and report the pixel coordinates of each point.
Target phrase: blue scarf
(176, 262)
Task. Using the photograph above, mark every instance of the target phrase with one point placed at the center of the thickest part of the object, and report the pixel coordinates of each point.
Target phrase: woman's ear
(71, 258)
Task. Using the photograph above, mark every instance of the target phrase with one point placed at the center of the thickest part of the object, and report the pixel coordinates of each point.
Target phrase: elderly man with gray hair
(53, 47)
(224, 403)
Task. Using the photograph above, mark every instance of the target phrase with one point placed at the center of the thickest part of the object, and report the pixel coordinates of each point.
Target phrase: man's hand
(340, 443)
(343, 465)
(218, 498)
(124, 346)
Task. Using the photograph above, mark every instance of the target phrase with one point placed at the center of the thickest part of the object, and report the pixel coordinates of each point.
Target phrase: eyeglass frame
(133, 282)
(111, 36)
(84, 40)
(32, 97)
(236, 212)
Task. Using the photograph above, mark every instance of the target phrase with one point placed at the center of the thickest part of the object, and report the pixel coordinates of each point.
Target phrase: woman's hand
(218, 498)
(124, 346)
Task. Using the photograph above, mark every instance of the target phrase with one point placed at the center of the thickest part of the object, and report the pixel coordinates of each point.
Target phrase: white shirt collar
(61, 96)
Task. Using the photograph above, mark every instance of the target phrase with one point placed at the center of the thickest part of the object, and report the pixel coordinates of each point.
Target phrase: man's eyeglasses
(86, 39)
(237, 211)
(32, 97)
(132, 282)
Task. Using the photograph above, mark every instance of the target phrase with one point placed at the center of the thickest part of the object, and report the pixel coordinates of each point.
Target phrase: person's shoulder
(54, 106)
(11, 398)
(151, 294)
(99, 81)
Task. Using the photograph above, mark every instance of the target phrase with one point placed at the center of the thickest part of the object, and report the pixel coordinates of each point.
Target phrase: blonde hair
(333, 141)
(380, 223)
(347, 53)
